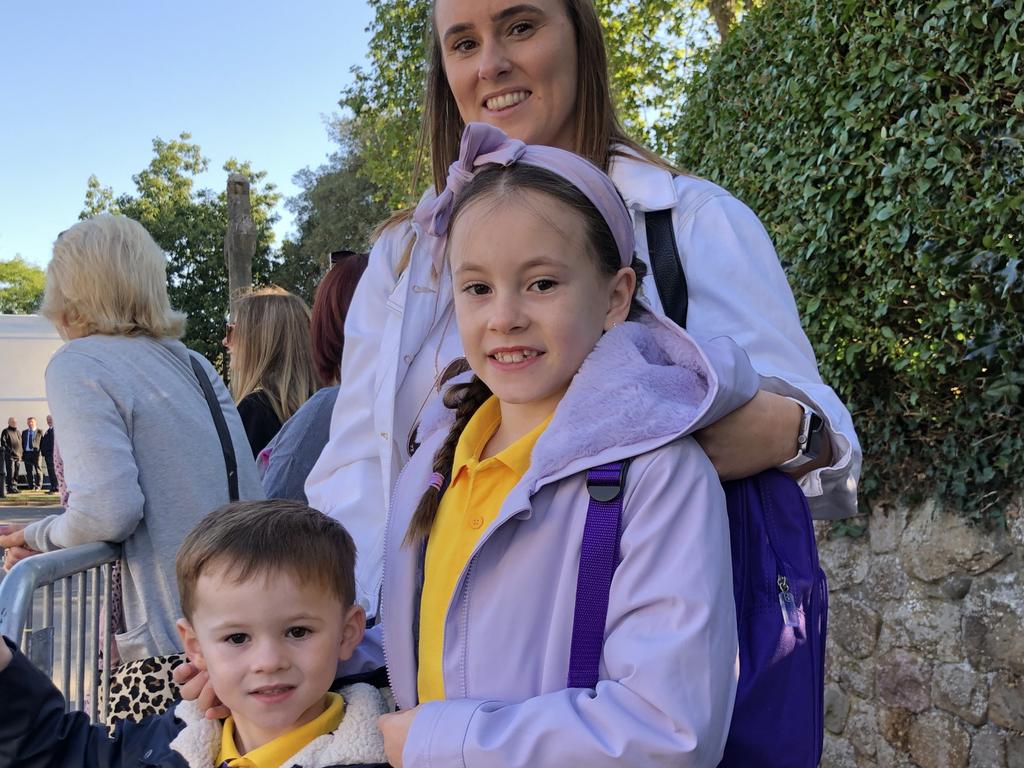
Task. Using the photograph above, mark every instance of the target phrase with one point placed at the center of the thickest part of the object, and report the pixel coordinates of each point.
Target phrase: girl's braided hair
(465, 400)
(502, 183)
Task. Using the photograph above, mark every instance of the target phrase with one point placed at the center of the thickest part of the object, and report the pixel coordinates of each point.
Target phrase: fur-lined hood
(645, 384)
(357, 741)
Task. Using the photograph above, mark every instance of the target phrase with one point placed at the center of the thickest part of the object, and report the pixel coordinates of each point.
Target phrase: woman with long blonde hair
(272, 370)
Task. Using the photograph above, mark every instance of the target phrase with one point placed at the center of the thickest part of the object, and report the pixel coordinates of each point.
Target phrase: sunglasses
(229, 331)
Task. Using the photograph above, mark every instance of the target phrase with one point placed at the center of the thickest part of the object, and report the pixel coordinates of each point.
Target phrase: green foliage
(882, 146)
(337, 209)
(387, 99)
(189, 225)
(652, 45)
(21, 287)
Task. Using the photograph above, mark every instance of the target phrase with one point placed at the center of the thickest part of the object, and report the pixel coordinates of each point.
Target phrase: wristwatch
(808, 438)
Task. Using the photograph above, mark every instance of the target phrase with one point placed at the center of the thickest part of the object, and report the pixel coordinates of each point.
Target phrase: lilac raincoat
(669, 666)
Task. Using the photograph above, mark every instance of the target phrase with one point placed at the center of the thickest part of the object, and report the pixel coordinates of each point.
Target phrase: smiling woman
(512, 67)
(538, 70)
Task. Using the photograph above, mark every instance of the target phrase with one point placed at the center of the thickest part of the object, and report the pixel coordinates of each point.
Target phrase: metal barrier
(80, 577)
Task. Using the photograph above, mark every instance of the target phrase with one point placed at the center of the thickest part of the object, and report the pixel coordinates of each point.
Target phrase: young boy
(267, 591)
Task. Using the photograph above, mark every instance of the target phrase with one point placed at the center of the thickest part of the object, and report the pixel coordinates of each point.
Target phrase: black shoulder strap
(665, 264)
(222, 428)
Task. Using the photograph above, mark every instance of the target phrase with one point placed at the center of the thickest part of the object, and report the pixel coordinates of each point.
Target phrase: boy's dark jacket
(35, 732)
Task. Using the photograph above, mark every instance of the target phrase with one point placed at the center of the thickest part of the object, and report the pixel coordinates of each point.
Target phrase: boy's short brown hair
(250, 538)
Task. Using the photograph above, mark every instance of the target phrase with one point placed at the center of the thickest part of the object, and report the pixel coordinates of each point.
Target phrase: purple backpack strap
(599, 554)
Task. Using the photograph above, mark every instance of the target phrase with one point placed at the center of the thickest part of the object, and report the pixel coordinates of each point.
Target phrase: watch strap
(807, 440)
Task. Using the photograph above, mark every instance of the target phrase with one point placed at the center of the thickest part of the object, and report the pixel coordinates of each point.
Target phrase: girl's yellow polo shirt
(470, 504)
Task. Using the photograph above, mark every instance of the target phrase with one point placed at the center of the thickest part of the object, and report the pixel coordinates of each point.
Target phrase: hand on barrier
(12, 540)
(13, 554)
(194, 685)
(12, 535)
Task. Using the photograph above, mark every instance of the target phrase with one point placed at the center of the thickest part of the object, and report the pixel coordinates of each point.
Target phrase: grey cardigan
(143, 464)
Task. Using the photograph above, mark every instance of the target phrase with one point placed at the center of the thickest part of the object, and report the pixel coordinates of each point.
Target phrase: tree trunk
(724, 13)
(240, 239)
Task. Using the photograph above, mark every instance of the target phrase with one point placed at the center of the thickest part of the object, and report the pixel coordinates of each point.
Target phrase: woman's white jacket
(399, 335)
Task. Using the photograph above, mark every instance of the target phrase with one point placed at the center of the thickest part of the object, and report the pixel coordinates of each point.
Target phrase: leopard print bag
(143, 687)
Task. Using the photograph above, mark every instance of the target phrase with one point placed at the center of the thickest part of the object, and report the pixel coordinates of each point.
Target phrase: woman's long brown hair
(271, 350)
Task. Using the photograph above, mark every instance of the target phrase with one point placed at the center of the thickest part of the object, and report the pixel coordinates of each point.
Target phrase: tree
(189, 225)
(337, 209)
(21, 287)
(652, 45)
(881, 145)
(724, 14)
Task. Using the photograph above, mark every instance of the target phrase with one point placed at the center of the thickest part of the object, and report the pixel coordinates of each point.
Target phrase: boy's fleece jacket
(35, 732)
(669, 666)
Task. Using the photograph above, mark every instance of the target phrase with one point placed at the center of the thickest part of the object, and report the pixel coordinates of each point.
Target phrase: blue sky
(86, 86)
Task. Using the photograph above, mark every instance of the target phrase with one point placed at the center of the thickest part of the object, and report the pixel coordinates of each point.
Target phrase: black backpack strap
(226, 445)
(665, 264)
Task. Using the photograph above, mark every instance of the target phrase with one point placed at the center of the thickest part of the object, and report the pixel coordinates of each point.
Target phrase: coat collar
(356, 741)
(643, 185)
(648, 380)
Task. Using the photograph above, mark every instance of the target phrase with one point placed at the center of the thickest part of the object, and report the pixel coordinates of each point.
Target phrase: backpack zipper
(787, 603)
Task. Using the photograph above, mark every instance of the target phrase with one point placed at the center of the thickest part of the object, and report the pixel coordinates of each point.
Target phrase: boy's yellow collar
(276, 752)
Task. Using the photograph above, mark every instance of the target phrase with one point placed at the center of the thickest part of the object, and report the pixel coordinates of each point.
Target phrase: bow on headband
(484, 144)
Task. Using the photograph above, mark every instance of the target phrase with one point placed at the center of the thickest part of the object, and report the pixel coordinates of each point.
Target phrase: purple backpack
(781, 613)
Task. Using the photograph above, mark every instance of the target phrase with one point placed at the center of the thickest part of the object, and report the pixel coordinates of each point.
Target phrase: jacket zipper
(465, 629)
(384, 575)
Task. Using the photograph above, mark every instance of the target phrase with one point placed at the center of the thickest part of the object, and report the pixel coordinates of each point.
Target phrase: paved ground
(9, 514)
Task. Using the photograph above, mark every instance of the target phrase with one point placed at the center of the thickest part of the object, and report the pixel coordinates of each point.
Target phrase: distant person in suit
(31, 439)
(11, 440)
(46, 448)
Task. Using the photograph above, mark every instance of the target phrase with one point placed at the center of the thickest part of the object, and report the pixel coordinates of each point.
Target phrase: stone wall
(925, 662)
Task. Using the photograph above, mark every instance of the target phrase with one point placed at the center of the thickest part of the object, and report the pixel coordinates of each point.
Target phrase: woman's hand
(12, 541)
(12, 535)
(395, 728)
(194, 685)
(757, 436)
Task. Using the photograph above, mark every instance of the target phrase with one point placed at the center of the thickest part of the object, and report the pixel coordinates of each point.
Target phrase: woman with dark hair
(538, 71)
(287, 459)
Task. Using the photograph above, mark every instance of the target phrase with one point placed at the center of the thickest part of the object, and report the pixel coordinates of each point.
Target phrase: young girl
(569, 372)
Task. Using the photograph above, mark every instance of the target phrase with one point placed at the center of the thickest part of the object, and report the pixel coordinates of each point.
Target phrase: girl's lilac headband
(484, 144)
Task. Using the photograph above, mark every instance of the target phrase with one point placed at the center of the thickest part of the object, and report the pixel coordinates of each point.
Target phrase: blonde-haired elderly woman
(143, 461)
